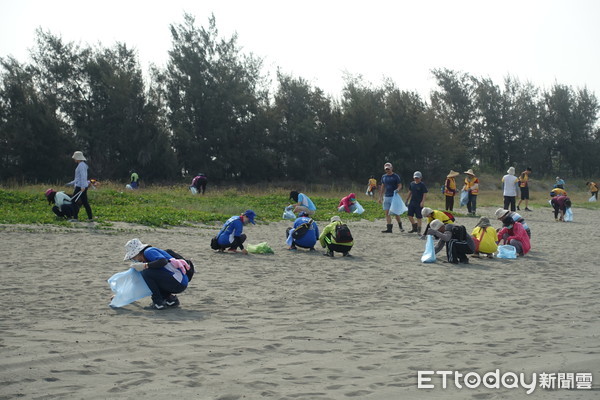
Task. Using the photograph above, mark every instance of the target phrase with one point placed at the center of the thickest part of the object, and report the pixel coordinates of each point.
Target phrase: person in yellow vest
(593, 188)
(471, 186)
(431, 215)
(450, 189)
(524, 187)
(485, 238)
(372, 187)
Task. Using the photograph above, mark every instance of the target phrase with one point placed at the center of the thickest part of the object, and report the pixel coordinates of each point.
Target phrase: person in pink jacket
(514, 234)
(348, 203)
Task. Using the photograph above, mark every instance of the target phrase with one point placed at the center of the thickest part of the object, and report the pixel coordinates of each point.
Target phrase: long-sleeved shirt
(516, 232)
(61, 198)
(81, 176)
(328, 235)
(158, 258)
(346, 202)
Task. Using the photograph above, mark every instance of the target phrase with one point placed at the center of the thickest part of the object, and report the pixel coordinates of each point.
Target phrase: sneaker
(156, 306)
(328, 254)
(293, 248)
(172, 301)
(312, 249)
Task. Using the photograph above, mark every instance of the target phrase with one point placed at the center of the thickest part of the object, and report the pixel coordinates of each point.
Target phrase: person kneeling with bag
(458, 243)
(304, 233)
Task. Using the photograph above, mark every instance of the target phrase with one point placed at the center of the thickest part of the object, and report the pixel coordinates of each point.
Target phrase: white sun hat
(133, 248)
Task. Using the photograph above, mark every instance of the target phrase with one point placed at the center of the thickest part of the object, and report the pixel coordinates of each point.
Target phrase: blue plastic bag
(507, 251)
(358, 208)
(464, 198)
(128, 286)
(397, 207)
(568, 215)
(429, 253)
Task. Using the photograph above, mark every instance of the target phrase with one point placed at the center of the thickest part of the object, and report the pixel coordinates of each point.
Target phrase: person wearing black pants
(81, 185)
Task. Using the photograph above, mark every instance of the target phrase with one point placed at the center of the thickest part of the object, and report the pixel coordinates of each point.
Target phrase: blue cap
(250, 214)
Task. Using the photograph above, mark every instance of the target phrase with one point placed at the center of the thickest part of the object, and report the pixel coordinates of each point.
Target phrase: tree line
(213, 110)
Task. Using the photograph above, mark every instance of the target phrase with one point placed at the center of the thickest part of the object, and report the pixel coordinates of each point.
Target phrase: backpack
(449, 215)
(302, 230)
(459, 232)
(342, 234)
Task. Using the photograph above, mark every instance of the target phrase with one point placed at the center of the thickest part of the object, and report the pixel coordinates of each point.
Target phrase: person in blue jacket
(231, 237)
(302, 203)
(164, 271)
(308, 239)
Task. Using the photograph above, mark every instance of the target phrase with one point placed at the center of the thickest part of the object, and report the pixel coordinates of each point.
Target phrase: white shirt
(510, 185)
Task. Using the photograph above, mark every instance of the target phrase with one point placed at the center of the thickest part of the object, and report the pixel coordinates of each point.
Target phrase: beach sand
(297, 325)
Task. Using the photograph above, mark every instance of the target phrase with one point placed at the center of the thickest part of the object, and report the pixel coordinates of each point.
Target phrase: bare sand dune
(297, 325)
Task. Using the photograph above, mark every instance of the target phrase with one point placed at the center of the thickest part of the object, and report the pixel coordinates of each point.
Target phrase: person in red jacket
(515, 235)
(348, 203)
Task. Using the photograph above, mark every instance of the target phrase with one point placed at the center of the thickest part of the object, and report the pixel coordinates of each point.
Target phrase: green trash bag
(261, 248)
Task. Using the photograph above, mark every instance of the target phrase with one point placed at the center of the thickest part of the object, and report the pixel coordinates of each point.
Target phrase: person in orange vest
(450, 190)
(471, 186)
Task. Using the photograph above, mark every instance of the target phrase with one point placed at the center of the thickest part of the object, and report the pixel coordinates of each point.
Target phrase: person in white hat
(81, 185)
(391, 183)
(509, 185)
(456, 239)
(164, 271)
(471, 186)
(336, 237)
(450, 189)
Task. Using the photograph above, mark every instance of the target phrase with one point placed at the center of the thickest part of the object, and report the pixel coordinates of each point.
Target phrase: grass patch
(162, 206)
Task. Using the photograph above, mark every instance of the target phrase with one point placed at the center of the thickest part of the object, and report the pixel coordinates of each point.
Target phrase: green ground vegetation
(163, 206)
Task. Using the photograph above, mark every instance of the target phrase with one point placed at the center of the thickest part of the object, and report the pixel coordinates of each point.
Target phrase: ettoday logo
(473, 380)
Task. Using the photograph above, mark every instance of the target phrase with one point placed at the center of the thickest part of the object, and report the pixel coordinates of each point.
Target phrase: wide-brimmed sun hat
(335, 218)
(133, 248)
(78, 155)
(501, 213)
(426, 211)
(511, 171)
(470, 172)
(483, 222)
(452, 174)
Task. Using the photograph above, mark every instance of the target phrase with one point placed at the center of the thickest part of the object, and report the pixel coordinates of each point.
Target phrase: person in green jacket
(336, 237)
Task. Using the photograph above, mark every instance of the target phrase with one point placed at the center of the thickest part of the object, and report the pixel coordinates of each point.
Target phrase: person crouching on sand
(164, 271)
(485, 238)
(514, 234)
(231, 237)
(458, 243)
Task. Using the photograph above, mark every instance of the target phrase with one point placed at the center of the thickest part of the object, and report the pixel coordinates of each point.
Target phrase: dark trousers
(161, 284)
(472, 203)
(338, 247)
(510, 201)
(65, 211)
(449, 203)
(84, 202)
(236, 243)
(201, 186)
(457, 251)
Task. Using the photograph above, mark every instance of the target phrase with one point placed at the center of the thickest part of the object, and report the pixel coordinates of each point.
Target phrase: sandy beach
(297, 325)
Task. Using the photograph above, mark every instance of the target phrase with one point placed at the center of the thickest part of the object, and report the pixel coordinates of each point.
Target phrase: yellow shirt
(487, 240)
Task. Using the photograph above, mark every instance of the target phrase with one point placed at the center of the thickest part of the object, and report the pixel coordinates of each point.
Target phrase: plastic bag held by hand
(128, 286)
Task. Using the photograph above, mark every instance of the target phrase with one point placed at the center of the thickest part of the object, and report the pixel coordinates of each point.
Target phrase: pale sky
(540, 41)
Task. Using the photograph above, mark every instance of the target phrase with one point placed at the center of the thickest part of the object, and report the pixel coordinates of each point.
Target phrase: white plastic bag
(397, 207)
(507, 251)
(358, 209)
(288, 213)
(193, 190)
(429, 253)
(592, 199)
(128, 286)
(568, 215)
(464, 198)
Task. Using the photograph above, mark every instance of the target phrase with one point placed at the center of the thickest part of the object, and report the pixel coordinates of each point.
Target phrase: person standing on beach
(509, 183)
(81, 185)
(524, 187)
(390, 185)
(471, 186)
(450, 189)
(417, 192)
(164, 271)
